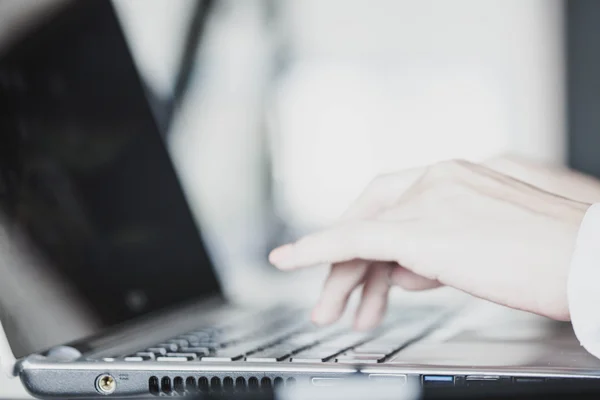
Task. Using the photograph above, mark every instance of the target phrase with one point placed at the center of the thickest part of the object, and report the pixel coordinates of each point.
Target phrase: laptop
(87, 182)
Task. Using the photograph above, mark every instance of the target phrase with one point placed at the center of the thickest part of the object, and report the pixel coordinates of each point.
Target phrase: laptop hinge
(7, 357)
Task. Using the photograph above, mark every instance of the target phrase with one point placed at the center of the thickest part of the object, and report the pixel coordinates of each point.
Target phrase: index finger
(370, 240)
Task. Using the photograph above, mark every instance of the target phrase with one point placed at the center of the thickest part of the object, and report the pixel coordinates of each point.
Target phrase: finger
(408, 280)
(381, 193)
(369, 240)
(374, 297)
(341, 282)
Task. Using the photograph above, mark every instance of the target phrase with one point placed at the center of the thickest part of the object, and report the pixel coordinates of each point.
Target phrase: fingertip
(322, 317)
(318, 317)
(281, 257)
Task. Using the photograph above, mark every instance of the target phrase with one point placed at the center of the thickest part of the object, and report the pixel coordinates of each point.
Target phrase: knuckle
(453, 167)
(380, 182)
(446, 179)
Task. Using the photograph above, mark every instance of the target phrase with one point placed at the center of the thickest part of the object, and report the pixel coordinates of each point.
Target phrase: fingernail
(281, 257)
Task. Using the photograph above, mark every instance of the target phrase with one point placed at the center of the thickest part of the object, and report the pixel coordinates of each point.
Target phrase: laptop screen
(84, 171)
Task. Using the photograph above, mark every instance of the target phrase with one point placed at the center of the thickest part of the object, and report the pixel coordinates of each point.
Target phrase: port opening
(105, 384)
(486, 380)
(529, 380)
(437, 380)
(396, 379)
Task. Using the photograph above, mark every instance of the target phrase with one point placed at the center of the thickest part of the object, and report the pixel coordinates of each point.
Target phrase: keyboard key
(237, 334)
(233, 353)
(196, 337)
(209, 343)
(173, 359)
(157, 350)
(369, 348)
(168, 346)
(352, 353)
(268, 357)
(237, 352)
(277, 353)
(347, 340)
(203, 351)
(314, 355)
(179, 342)
(302, 340)
(150, 356)
(134, 358)
(397, 338)
(357, 359)
(188, 356)
(210, 332)
(223, 358)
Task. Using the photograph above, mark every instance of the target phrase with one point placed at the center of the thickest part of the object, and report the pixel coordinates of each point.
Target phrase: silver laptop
(86, 179)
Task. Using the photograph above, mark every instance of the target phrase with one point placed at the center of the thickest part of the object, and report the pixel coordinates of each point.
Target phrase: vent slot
(265, 383)
(228, 384)
(240, 384)
(278, 382)
(190, 384)
(203, 384)
(253, 383)
(215, 384)
(153, 386)
(165, 385)
(178, 385)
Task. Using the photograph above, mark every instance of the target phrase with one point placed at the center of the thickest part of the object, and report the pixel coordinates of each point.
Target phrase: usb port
(486, 380)
(529, 380)
(438, 380)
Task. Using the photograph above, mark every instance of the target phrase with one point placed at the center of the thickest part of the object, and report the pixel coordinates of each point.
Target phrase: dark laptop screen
(84, 170)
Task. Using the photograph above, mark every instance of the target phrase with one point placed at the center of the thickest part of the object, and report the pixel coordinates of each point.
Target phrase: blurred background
(292, 107)
(277, 113)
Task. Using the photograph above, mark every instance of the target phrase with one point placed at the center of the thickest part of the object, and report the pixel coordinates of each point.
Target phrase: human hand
(454, 223)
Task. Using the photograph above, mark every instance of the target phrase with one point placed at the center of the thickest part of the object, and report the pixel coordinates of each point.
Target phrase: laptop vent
(213, 384)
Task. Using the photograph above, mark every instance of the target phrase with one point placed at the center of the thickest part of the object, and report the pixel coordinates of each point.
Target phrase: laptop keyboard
(288, 340)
